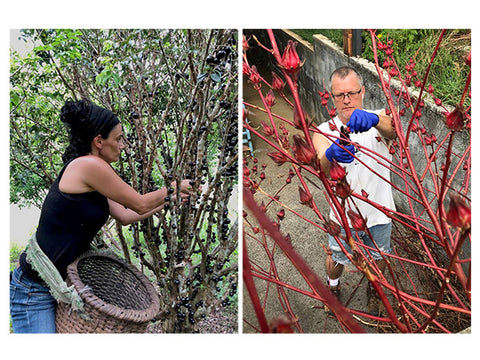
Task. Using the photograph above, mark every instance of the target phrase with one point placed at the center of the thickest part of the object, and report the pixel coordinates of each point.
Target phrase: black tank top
(67, 226)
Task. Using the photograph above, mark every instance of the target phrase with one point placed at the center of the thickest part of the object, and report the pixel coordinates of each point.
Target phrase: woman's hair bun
(74, 112)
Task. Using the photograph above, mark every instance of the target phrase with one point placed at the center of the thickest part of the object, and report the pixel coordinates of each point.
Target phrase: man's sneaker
(335, 291)
(374, 303)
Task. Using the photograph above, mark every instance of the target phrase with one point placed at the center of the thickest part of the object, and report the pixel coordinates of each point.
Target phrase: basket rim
(109, 309)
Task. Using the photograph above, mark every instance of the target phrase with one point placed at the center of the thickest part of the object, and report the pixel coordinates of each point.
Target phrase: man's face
(346, 104)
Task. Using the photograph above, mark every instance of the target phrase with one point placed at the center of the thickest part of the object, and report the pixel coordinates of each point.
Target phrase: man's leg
(334, 270)
(382, 236)
(334, 264)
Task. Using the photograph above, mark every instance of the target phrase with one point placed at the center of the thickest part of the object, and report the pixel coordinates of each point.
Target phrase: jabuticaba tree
(175, 92)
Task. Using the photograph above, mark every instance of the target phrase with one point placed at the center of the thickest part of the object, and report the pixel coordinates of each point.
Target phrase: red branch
(427, 217)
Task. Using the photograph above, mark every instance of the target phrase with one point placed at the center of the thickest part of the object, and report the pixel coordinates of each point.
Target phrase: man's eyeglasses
(350, 94)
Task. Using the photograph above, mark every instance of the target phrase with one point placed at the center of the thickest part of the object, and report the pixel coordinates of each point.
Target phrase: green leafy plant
(15, 252)
(449, 70)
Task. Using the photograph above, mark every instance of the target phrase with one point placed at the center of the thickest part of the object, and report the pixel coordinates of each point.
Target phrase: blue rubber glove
(339, 154)
(361, 121)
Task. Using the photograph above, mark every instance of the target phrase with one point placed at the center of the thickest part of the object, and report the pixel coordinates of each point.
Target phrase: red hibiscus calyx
(255, 77)
(337, 172)
(459, 213)
(357, 221)
(342, 189)
(332, 228)
(290, 60)
(277, 83)
(455, 120)
(303, 152)
(270, 98)
(278, 157)
(267, 130)
(305, 198)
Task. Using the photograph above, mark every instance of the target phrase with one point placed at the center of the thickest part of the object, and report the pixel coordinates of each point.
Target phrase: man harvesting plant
(340, 148)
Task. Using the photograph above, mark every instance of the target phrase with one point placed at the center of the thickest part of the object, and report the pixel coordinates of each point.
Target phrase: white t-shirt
(361, 178)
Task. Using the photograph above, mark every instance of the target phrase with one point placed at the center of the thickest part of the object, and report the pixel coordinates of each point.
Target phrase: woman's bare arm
(98, 175)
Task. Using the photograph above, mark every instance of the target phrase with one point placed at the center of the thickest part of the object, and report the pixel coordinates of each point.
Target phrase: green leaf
(14, 99)
(103, 77)
(201, 77)
(107, 45)
(116, 79)
(216, 76)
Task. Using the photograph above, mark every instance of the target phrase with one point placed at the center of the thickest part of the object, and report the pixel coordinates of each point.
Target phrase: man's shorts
(380, 233)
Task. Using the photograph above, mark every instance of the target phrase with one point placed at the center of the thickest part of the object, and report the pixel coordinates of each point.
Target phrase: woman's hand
(185, 187)
(126, 216)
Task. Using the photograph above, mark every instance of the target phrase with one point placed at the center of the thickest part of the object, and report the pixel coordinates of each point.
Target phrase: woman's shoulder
(88, 166)
(88, 161)
(85, 174)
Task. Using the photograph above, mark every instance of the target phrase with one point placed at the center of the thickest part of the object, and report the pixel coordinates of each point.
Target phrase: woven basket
(118, 298)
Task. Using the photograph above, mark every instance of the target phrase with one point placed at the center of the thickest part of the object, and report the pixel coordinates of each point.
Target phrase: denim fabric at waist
(19, 276)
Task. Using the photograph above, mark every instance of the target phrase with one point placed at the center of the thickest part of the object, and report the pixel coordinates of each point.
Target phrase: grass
(15, 252)
(448, 72)
(335, 35)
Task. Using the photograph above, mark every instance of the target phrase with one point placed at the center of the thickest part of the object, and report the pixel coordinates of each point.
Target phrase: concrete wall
(321, 59)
